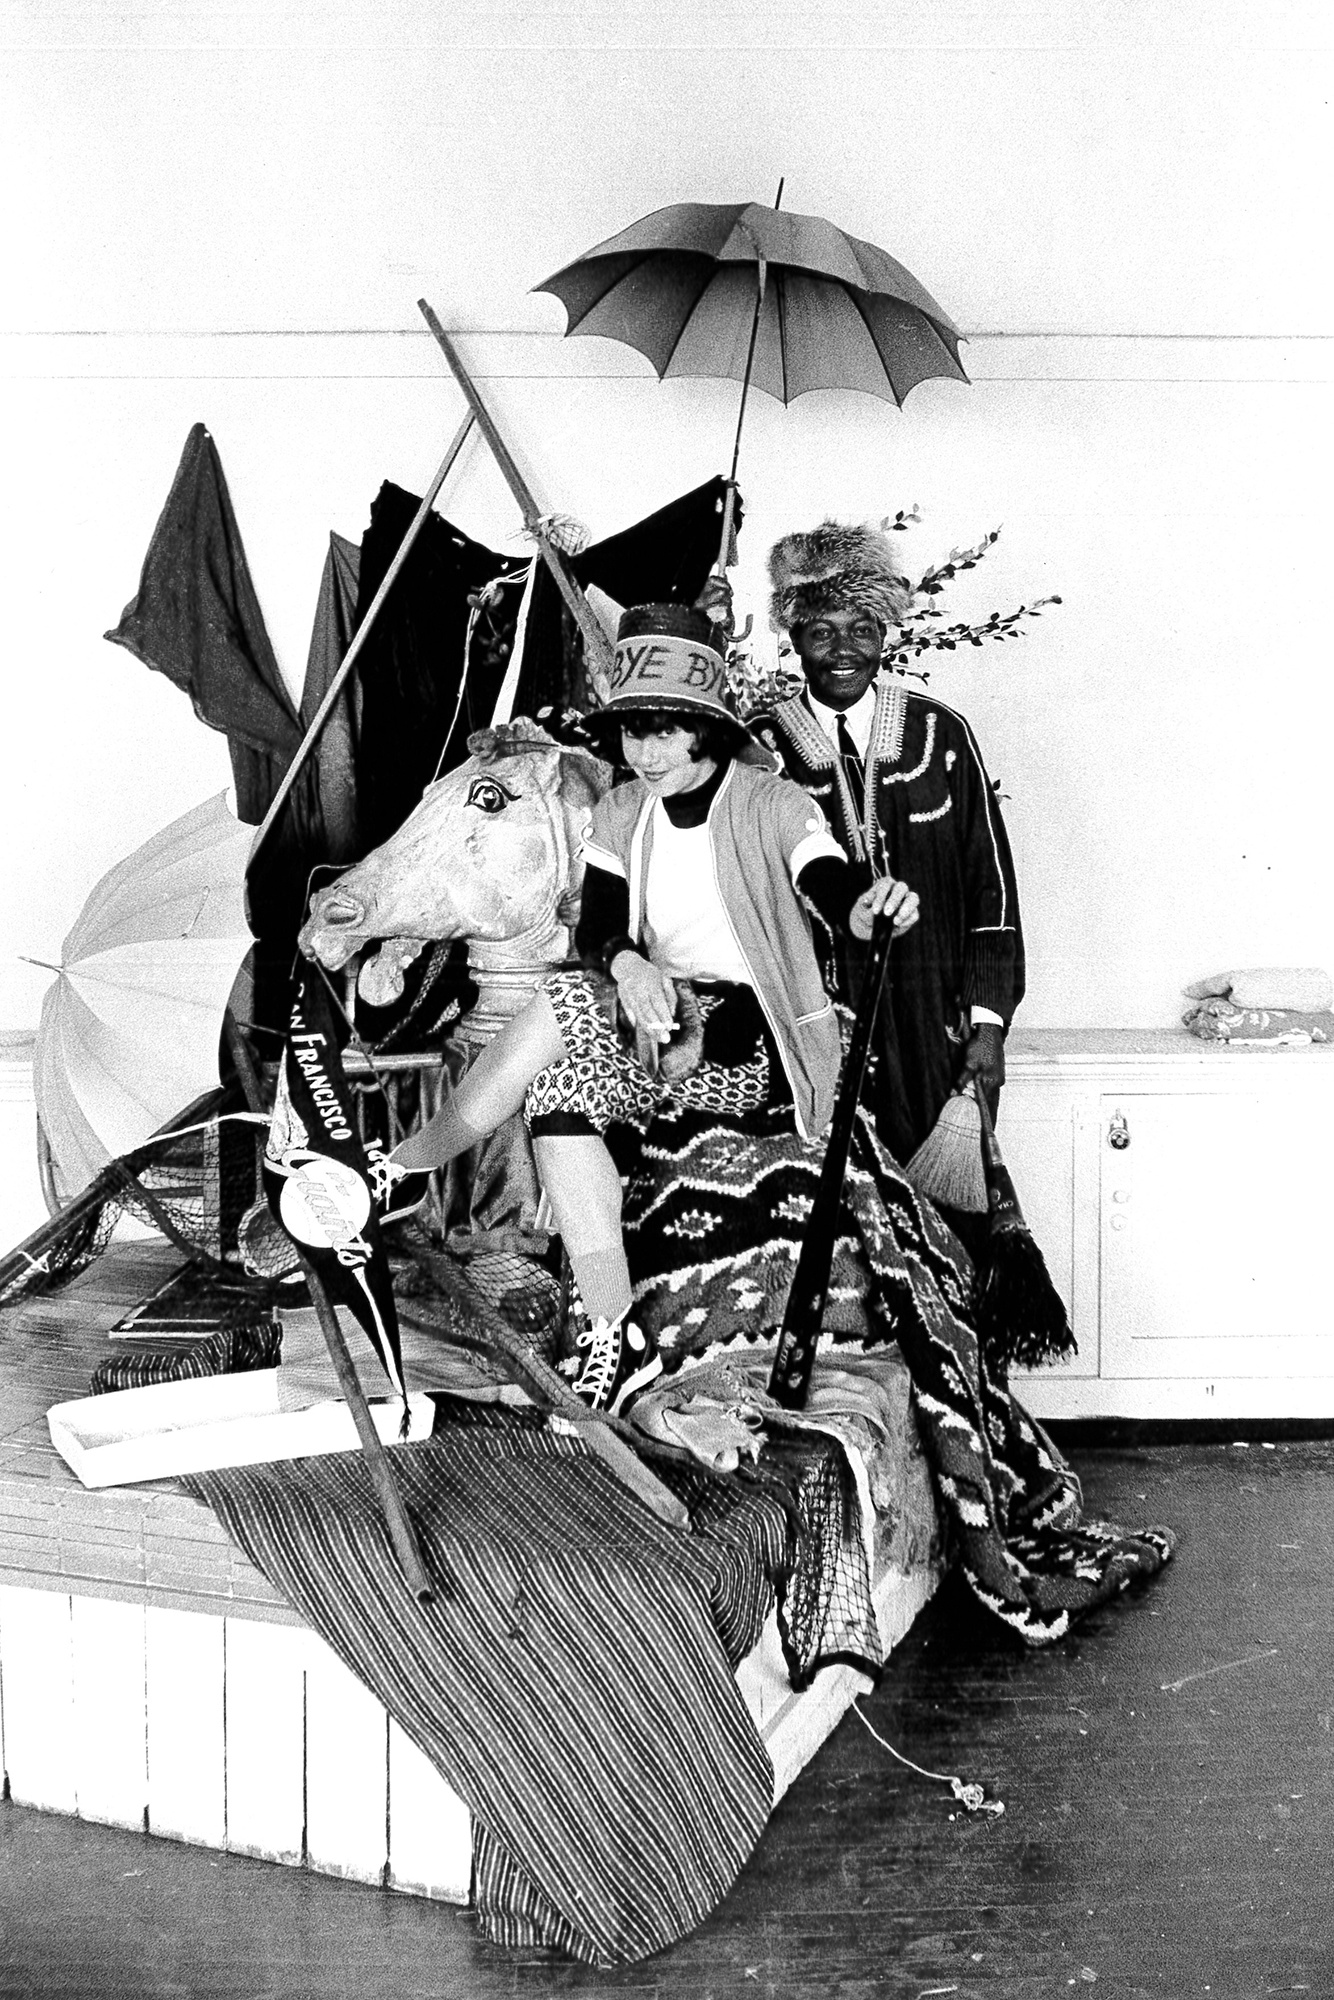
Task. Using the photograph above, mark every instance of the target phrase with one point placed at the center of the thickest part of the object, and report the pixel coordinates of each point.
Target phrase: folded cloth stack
(1276, 1007)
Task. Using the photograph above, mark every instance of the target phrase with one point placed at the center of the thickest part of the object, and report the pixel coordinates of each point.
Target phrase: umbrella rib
(607, 289)
(698, 300)
(781, 287)
(893, 385)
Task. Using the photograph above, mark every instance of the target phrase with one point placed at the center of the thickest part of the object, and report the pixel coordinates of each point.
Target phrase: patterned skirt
(601, 1082)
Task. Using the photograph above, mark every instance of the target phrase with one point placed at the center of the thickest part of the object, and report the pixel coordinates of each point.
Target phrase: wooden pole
(607, 1437)
(401, 1531)
(595, 639)
(34, 1248)
(360, 636)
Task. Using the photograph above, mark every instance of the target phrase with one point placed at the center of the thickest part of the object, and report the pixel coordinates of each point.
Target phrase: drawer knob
(1118, 1132)
(1119, 1221)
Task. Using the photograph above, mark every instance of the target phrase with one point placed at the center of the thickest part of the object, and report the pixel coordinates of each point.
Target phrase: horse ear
(583, 777)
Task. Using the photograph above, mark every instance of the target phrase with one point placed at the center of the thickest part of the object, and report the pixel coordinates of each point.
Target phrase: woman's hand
(647, 996)
(895, 898)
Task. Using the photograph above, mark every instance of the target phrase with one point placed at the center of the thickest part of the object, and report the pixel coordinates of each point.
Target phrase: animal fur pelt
(835, 567)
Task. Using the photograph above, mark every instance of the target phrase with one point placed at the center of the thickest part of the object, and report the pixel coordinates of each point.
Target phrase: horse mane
(510, 739)
(523, 737)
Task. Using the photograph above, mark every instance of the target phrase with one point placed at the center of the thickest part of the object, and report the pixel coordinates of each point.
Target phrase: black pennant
(321, 1186)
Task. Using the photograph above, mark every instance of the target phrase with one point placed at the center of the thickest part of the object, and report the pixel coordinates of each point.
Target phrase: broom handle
(790, 1378)
(990, 1149)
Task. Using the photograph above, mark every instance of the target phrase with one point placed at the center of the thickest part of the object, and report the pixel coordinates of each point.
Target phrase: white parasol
(129, 1032)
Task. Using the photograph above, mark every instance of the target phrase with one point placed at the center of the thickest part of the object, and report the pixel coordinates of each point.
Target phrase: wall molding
(496, 355)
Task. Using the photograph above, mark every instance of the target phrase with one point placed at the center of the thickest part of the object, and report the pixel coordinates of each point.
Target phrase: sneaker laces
(602, 1341)
(385, 1175)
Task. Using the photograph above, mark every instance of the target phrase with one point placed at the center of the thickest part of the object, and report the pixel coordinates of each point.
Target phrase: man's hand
(984, 1058)
(896, 898)
(647, 996)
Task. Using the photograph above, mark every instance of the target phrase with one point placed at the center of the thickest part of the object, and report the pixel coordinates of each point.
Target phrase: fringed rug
(714, 1215)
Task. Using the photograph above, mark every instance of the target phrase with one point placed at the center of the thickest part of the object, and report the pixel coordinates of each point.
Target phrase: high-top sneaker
(612, 1361)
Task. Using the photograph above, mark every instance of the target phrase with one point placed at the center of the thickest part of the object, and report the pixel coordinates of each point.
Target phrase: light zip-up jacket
(762, 831)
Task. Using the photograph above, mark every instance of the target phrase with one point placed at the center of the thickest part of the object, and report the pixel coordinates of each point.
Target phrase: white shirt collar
(859, 718)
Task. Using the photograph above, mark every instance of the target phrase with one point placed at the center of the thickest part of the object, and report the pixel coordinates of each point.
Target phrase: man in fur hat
(902, 782)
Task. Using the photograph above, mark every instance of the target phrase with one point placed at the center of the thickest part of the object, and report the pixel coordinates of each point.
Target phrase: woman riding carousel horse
(697, 939)
(696, 935)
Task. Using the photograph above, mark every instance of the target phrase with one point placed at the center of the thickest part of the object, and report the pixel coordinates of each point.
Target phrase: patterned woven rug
(714, 1215)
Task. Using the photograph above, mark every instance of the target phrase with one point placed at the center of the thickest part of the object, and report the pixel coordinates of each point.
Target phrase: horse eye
(488, 796)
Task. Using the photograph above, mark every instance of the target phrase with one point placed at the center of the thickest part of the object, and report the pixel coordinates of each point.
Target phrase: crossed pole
(401, 1530)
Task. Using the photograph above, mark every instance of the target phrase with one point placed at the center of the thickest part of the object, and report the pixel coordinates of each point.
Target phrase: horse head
(491, 854)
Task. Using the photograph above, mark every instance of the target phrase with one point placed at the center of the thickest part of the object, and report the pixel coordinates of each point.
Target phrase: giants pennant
(321, 1185)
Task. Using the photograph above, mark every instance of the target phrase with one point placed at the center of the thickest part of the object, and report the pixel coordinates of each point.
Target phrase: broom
(1020, 1318)
(947, 1166)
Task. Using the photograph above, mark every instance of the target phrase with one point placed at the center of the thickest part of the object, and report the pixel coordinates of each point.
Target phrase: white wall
(227, 212)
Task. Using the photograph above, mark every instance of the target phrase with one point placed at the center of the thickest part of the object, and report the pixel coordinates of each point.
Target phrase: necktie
(853, 768)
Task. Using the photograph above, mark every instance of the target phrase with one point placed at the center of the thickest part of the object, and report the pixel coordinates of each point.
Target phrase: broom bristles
(947, 1166)
(1021, 1319)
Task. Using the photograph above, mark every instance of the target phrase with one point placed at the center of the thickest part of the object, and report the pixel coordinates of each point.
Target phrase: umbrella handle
(761, 283)
(726, 542)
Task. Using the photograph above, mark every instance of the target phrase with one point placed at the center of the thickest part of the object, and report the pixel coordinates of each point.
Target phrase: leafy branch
(755, 685)
(916, 636)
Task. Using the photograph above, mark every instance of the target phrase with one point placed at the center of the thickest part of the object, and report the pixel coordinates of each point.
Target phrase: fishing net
(190, 1186)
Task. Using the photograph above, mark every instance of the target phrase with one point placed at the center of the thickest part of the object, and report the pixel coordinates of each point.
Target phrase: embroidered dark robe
(932, 820)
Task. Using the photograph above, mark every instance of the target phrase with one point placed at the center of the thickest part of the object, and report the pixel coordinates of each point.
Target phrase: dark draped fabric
(664, 558)
(410, 669)
(196, 618)
(336, 750)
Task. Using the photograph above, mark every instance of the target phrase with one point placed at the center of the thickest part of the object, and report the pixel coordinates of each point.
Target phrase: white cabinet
(1182, 1196)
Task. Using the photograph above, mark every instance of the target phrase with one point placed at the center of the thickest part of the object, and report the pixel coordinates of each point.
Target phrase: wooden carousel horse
(491, 856)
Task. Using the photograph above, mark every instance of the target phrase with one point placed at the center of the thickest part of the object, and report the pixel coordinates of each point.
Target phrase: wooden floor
(1168, 1776)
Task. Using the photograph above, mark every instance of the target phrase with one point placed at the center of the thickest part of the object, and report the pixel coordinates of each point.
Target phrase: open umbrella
(129, 1032)
(736, 289)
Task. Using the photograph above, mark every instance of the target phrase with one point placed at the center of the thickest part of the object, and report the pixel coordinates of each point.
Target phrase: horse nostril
(338, 911)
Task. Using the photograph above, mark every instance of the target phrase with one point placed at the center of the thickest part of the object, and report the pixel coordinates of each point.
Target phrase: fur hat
(836, 567)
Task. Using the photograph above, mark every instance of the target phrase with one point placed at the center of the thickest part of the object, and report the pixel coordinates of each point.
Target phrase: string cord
(970, 1797)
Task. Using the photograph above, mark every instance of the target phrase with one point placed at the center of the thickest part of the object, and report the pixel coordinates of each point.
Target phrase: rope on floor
(970, 1797)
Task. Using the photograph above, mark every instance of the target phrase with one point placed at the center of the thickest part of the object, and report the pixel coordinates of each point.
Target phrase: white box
(201, 1426)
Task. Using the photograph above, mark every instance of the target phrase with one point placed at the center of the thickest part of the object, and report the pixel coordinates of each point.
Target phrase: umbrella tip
(782, 183)
(45, 963)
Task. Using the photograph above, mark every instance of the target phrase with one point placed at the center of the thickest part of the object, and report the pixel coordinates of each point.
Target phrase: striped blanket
(574, 1680)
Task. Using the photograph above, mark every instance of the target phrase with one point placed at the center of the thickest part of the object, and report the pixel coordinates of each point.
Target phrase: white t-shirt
(687, 934)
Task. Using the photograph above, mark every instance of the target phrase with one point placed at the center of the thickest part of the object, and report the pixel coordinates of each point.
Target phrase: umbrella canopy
(682, 284)
(129, 1032)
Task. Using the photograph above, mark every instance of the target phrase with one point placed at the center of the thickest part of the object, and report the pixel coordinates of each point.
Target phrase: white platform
(253, 1737)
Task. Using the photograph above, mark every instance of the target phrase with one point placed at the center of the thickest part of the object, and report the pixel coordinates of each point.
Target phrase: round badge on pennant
(325, 1204)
